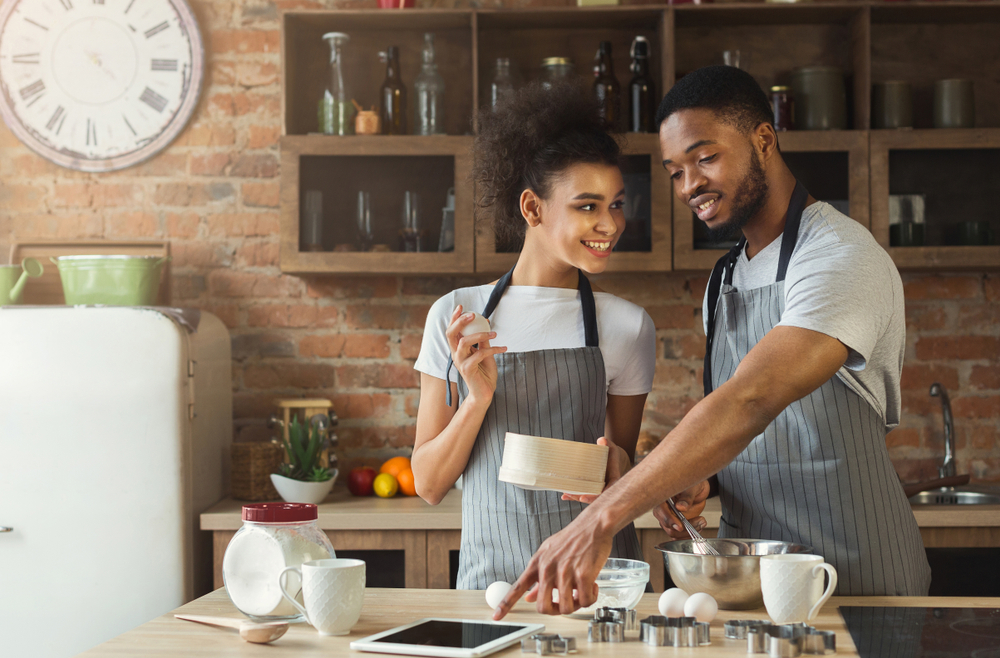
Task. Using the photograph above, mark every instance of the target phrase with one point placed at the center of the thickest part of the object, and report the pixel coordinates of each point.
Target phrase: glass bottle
(392, 95)
(429, 87)
(556, 70)
(641, 90)
(606, 87)
(502, 87)
(336, 113)
(783, 106)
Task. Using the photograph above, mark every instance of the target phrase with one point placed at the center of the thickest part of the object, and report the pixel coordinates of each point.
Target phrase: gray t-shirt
(840, 282)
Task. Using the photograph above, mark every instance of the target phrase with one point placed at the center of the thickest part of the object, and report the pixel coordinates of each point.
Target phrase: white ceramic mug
(792, 585)
(332, 590)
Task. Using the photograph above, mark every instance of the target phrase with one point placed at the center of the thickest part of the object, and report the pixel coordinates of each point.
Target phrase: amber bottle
(606, 87)
(392, 96)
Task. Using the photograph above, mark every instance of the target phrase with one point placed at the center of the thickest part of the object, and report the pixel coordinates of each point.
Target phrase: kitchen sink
(955, 496)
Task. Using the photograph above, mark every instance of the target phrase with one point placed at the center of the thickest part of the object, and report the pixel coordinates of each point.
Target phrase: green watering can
(14, 277)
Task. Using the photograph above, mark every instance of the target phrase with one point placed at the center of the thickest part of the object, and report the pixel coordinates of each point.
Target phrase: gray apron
(820, 474)
(559, 393)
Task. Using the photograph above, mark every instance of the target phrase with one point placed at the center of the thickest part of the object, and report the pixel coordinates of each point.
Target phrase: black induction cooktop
(924, 632)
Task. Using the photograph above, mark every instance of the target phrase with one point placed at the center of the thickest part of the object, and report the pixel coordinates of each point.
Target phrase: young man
(806, 332)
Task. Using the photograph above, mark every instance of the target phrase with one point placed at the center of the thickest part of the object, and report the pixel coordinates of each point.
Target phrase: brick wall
(214, 194)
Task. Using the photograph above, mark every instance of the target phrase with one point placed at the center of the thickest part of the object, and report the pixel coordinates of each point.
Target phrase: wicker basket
(253, 463)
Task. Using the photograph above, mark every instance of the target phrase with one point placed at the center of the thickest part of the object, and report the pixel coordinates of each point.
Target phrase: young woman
(575, 364)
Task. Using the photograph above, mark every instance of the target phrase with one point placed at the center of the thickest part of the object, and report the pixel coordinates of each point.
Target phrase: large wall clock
(98, 85)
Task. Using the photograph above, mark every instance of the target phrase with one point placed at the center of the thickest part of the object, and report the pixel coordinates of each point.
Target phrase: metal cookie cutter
(820, 643)
(624, 615)
(606, 629)
(738, 629)
(546, 644)
(660, 631)
(790, 640)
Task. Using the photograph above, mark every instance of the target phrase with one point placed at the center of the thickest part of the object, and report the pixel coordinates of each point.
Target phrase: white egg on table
(701, 606)
(496, 592)
(478, 325)
(671, 603)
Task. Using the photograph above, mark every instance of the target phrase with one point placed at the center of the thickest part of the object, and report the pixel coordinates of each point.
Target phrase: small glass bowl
(620, 584)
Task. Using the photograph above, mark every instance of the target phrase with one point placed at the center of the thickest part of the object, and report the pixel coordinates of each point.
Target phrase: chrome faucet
(947, 468)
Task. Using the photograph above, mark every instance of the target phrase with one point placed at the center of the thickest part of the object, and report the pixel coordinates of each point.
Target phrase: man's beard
(750, 196)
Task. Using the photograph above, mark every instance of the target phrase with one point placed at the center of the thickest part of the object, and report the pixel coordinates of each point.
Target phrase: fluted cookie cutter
(738, 629)
(790, 640)
(546, 644)
(624, 615)
(606, 629)
(660, 631)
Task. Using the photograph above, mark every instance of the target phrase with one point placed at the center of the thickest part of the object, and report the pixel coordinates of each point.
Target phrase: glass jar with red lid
(783, 105)
(274, 536)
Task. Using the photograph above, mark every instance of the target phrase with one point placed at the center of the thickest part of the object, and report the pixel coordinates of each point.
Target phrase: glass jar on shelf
(783, 106)
(336, 111)
(556, 70)
(429, 87)
(502, 86)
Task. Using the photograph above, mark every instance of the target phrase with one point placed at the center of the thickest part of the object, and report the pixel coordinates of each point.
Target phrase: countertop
(387, 608)
(342, 511)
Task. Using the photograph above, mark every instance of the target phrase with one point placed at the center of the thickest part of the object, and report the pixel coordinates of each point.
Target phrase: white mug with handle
(792, 585)
(332, 590)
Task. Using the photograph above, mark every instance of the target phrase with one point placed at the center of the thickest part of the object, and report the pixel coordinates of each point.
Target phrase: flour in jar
(253, 561)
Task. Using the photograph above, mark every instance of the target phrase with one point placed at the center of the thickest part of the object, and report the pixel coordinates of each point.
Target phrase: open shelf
(958, 172)
(386, 167)
(833, 166)
(645, 245)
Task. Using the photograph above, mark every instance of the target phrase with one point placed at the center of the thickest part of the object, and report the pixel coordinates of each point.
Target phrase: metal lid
(557, 61)
(780, 88)
(336, 35)
(280, 512)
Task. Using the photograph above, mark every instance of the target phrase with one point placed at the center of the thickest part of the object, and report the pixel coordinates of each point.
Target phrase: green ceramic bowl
(111, 280)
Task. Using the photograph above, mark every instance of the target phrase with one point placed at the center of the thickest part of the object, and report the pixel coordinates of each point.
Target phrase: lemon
(385, 485)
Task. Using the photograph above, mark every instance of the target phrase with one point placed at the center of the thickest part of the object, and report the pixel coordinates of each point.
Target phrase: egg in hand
(478, 325)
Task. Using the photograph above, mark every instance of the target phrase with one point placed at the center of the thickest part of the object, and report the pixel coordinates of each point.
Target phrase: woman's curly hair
(528, 140)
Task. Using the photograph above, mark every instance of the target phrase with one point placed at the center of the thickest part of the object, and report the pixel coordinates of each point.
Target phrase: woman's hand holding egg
(469, 339)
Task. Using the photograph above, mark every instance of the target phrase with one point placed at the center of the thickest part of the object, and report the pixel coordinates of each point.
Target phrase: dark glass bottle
(392, 95)
(606, 86)
(641, 90)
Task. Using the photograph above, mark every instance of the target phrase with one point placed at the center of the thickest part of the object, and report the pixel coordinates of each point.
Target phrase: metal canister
(820, 98)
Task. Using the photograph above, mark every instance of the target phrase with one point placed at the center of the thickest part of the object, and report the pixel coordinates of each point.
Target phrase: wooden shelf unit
(870, 41)
(964, 183)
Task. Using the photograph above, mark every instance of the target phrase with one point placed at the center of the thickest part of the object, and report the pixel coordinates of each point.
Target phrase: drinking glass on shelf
(365, 234)
(411, 232)
(312, 221)
(731, 58)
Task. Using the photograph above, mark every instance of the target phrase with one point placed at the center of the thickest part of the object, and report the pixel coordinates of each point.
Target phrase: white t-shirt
(841, 283)
(531, 318)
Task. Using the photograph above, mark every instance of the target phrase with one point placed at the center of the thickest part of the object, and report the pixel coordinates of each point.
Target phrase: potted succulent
(302, 479)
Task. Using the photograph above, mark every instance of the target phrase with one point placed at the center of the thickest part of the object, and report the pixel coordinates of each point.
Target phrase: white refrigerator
(115, 427)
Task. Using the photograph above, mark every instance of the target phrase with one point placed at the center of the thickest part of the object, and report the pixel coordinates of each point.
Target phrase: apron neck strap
(724, 271)
(592, 338)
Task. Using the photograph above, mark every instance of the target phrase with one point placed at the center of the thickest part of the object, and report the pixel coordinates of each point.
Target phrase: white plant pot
(297, 491)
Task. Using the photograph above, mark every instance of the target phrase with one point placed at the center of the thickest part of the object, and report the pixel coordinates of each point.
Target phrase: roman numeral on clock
(98, 2)
(32, 92)
(153, 31)
(153, 99)
(67, 5)
(163, 65)
(91, 133)
(60, 113)
(26, 58)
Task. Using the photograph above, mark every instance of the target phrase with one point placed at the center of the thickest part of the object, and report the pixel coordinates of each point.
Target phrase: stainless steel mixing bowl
(734, 578)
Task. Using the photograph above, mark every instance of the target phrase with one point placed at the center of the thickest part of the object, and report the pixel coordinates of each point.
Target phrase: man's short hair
(731, 93)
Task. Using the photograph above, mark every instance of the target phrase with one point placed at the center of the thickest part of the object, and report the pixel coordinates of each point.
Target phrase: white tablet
(447, 638)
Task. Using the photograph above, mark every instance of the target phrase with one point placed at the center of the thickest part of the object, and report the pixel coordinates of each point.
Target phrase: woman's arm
(623, 419)
(445, 435)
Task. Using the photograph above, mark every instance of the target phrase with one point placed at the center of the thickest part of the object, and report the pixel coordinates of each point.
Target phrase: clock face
(98, 85)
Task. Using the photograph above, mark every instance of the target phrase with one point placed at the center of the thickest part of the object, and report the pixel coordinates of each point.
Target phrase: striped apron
(560, 393)
(820, 473)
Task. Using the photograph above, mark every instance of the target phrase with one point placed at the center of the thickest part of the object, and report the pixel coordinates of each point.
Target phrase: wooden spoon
(251, 631)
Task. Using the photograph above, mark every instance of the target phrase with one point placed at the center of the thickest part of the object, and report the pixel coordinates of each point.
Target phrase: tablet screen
(455, 634)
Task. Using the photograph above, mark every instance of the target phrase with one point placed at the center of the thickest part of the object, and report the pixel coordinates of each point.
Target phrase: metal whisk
(695, 535)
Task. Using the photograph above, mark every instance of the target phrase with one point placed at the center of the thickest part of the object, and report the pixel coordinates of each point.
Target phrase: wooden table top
(342, 511)
(388, 608)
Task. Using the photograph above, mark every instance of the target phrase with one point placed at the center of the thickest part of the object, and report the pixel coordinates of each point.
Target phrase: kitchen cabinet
(385, 608)
(428, 535)
(870, 41)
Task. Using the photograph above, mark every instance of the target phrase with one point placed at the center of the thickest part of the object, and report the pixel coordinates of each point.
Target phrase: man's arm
(786, 365)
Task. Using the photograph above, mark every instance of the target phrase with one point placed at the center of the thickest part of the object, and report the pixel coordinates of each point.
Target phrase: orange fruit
(395, 466)
(406, 483)
(385, 485)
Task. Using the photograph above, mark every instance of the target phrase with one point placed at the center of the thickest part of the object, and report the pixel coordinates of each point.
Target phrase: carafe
(429, 87)
(336, 116)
